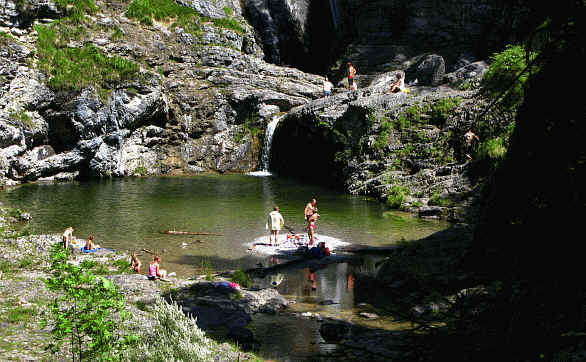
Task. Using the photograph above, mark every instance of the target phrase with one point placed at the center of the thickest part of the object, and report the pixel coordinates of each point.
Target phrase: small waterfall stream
(266, 155)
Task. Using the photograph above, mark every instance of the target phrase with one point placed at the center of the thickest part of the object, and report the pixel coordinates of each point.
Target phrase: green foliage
(396, 197)
(122, 266)
(140, 170)
(13, 212)
(147, 10)
(382, 139)
(117, 34)
(83, 312)
(19, 314)
(251, 126)
(241, 278)
(440, 111)
(228, 11)
(493, 149)
(77, 68)
(21, 117)
(228, 23)
(501, 74)
(437, 200)
(76, 9)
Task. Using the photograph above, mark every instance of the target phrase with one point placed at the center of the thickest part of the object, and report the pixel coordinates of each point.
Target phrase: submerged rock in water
(333, 332)
(242, 336)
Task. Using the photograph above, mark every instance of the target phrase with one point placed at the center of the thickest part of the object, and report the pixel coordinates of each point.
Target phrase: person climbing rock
(470, 137)
(274, 223)
(351, 74)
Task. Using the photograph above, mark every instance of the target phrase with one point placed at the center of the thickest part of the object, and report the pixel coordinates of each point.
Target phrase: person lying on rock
(398, 85)
(154, 269)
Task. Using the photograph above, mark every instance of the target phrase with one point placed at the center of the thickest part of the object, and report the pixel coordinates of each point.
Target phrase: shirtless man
(469, 137)
(67, 235)
(311, 226)
(310, 209)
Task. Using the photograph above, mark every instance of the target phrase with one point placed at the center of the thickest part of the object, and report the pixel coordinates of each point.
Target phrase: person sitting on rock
(89, 244)
(154, 269)
(67, 235)
(398, 85)
(135, 263)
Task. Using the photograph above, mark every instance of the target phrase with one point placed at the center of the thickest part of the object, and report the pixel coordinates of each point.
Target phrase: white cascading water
(266, 156)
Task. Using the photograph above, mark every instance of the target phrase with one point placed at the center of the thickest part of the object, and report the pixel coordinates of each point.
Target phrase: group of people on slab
(155, 272)
(397, 86)
(275, 222)
(67, 239)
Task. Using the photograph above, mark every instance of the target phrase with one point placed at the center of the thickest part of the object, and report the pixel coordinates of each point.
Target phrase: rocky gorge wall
(195, 102)
(189, 94)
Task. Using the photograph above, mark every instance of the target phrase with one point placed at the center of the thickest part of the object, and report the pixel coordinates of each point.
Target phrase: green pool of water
(129, 214)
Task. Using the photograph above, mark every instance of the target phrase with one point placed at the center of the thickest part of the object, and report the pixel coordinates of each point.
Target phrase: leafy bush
(227, 23)
(493, 149)
(501, 74)
(173, 337)
(82, 313)
(77, 68)
(437, 200)
(396, 197)
(241, 278)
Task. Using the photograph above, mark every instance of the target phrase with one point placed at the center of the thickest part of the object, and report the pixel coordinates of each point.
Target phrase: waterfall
(266, 154)
(334, 11)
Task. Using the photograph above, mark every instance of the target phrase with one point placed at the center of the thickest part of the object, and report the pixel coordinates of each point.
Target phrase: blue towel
(84, 250)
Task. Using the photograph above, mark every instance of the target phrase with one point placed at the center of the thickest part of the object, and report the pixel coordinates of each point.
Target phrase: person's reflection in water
(312, 280)
(350, 279)
(274, 260)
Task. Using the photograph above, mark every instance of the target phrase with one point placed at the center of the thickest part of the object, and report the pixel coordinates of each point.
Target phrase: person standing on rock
(327, 87)
(351, 74)
(274, 223)
(67, 235)
(311, 227)
(310, 209)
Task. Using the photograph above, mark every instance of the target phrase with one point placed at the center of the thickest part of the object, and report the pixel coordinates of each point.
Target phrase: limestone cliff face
(383, 35)
(194, 105)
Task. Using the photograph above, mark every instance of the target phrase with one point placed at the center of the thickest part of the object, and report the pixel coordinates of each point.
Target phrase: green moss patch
(77, 68)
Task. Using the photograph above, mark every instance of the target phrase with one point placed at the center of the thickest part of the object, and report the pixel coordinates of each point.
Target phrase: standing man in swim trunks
(351, 74)
(310, 209)
(311, 226)
(274, 223)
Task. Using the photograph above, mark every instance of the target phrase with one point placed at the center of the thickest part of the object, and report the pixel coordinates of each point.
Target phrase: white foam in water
(259, 173)
(260, 244)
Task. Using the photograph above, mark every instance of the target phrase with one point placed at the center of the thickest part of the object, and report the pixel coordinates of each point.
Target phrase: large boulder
(428, 70)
